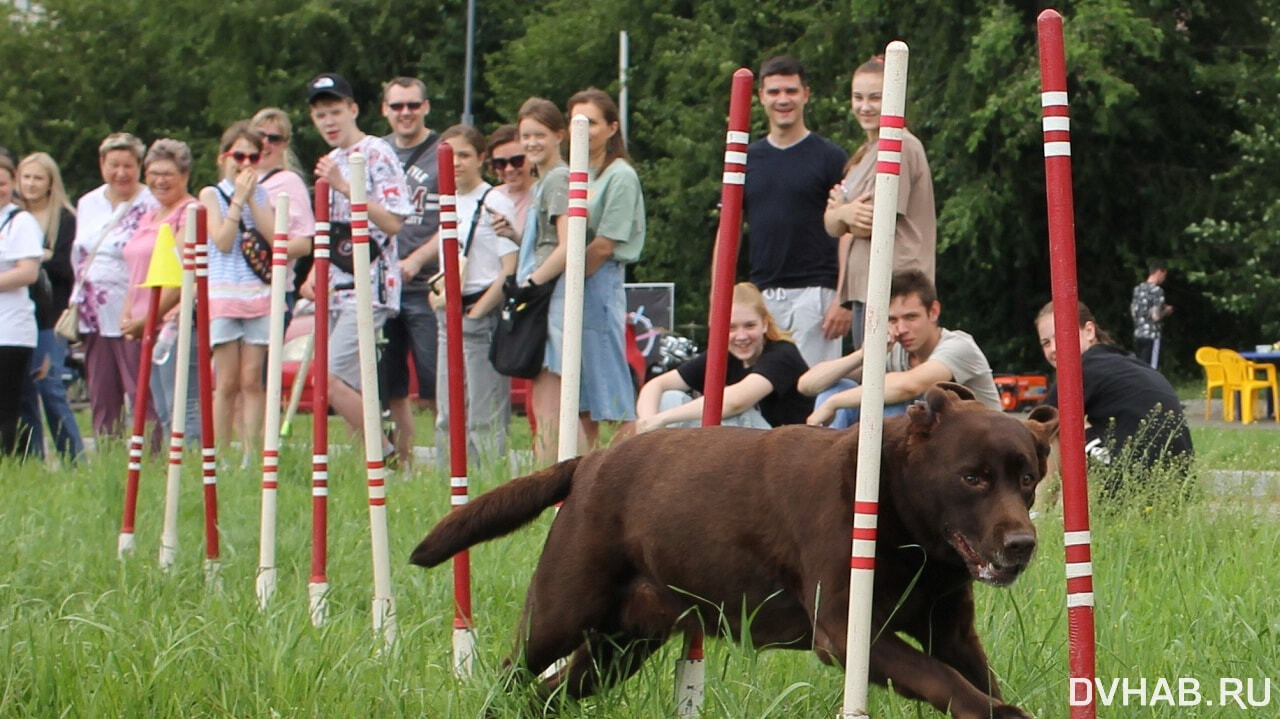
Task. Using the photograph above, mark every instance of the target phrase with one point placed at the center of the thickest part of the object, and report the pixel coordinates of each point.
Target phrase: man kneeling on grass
(921, 353)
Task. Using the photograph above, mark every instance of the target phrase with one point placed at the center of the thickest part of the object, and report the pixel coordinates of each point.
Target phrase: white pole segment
(383, 608)
(181, 380)
(871, 426)
(574, 276)
(266, 581)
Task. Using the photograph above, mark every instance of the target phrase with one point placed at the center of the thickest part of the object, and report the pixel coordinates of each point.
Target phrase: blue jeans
(52, 393)
(848, 416)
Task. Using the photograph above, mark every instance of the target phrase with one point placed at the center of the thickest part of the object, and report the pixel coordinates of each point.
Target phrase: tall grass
(1184, 588)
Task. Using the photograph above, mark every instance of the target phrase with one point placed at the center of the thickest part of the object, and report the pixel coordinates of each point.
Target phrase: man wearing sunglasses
(412, 333)
(334, 112)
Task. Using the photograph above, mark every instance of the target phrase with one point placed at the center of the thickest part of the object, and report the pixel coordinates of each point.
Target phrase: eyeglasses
(401, 106)
(273, 138)
(241, 157)
(500, 163)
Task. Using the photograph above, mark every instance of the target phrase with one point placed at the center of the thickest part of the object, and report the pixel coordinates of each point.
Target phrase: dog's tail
(495, 513)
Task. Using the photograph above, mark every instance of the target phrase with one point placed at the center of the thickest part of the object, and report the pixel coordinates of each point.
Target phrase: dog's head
(969, 481)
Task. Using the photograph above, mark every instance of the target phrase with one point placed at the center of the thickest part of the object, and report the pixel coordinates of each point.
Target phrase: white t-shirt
(104, 283)
(484, 260)
(960, 354)
(21, 238)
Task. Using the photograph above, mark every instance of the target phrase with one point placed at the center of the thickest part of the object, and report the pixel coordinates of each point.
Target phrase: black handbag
(340, 241)
(519, 339)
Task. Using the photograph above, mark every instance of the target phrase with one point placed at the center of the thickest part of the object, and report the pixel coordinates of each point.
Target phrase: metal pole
(467, 118)
(624, 65)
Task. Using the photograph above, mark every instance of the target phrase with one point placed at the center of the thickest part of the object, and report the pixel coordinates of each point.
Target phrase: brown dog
(732, 522)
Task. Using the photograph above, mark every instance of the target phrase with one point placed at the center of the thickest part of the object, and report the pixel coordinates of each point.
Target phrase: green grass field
(1184, 589)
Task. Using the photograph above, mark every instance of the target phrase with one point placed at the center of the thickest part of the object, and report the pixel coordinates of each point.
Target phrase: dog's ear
(924, 412)
(1043, 423)
(957, 389)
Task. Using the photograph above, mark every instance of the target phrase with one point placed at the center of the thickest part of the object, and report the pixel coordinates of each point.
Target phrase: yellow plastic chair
(1243, 378)
(1214, 378)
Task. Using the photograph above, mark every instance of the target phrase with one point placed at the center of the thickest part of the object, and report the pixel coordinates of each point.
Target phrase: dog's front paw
(1009, 711)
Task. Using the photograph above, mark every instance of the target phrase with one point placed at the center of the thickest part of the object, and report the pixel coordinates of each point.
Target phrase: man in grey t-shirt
(412, 333)
(922, 353)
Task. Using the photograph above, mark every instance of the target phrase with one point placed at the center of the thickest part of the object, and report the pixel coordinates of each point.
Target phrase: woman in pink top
(167, 169)
(239, 300)
(280, 172)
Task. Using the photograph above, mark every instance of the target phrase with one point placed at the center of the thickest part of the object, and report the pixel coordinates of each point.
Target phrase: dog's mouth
(984, 570)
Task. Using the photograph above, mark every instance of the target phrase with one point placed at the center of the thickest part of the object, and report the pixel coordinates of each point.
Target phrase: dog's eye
(972, 479)
(1028, 480)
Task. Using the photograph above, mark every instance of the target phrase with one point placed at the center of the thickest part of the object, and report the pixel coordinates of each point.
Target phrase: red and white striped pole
(266, 579)
(866, 503)
(575, 275)
(464, 642)
(125, 544)
(1066, 320)
(318, 586)
(383, 607)
(691, 670)
(204, 365)
(181, 380)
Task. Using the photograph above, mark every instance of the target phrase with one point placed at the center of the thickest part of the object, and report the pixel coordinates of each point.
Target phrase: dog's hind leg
(604, 661)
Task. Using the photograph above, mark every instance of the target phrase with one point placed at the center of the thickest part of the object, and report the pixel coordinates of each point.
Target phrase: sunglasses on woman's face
(243, 157)
(500, 163)
(273, 138)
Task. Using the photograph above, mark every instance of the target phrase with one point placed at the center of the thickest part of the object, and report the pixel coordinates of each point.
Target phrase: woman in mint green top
(615, 238)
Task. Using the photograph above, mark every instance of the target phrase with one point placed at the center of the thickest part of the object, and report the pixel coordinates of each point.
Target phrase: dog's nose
(1019, 546)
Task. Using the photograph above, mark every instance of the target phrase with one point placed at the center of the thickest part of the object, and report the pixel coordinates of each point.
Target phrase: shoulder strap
(8, 219)
(93, 254)
(425, 145)
(227, 197)
(475, 220)
(269, 175)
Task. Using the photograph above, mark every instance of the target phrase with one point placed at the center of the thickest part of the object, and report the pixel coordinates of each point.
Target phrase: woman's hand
(246, 180)
(308, 288)
(503, 227)
(132, 328)
(646, 424)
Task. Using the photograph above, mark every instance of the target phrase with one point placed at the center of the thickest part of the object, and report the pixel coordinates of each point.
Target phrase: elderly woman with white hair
(106, 218)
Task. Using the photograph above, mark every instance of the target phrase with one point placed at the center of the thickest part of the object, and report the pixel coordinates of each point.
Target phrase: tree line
(1172, 103)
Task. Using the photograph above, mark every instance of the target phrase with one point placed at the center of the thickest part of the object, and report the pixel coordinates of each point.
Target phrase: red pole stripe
(866, 507)
(892, 121)
(888, 144)
(865, 563)
(868, 533)
(887, 168)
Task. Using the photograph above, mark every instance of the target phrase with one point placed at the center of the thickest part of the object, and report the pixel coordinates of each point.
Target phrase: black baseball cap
(330, 84)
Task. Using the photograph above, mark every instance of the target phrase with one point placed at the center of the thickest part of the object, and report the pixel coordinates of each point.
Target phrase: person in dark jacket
(1125, 400)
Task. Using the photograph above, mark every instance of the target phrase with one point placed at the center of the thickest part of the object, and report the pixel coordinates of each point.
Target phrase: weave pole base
(124, 545)
(384, 620)
(266, 586)
(318, 603)
(168, 556)
(691, 686)
(464, 652)
(213, 575)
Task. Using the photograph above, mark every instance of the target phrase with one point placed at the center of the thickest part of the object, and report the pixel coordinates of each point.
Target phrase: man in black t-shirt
(789, 175)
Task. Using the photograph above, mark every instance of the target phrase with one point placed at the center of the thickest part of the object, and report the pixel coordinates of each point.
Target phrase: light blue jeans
(52, 393)
(848, 416)
(750, 418)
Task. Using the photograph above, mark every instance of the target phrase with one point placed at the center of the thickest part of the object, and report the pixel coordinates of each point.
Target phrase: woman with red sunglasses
(239, 299)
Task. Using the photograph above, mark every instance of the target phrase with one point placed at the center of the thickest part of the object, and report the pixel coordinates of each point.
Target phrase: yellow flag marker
(165, 269)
